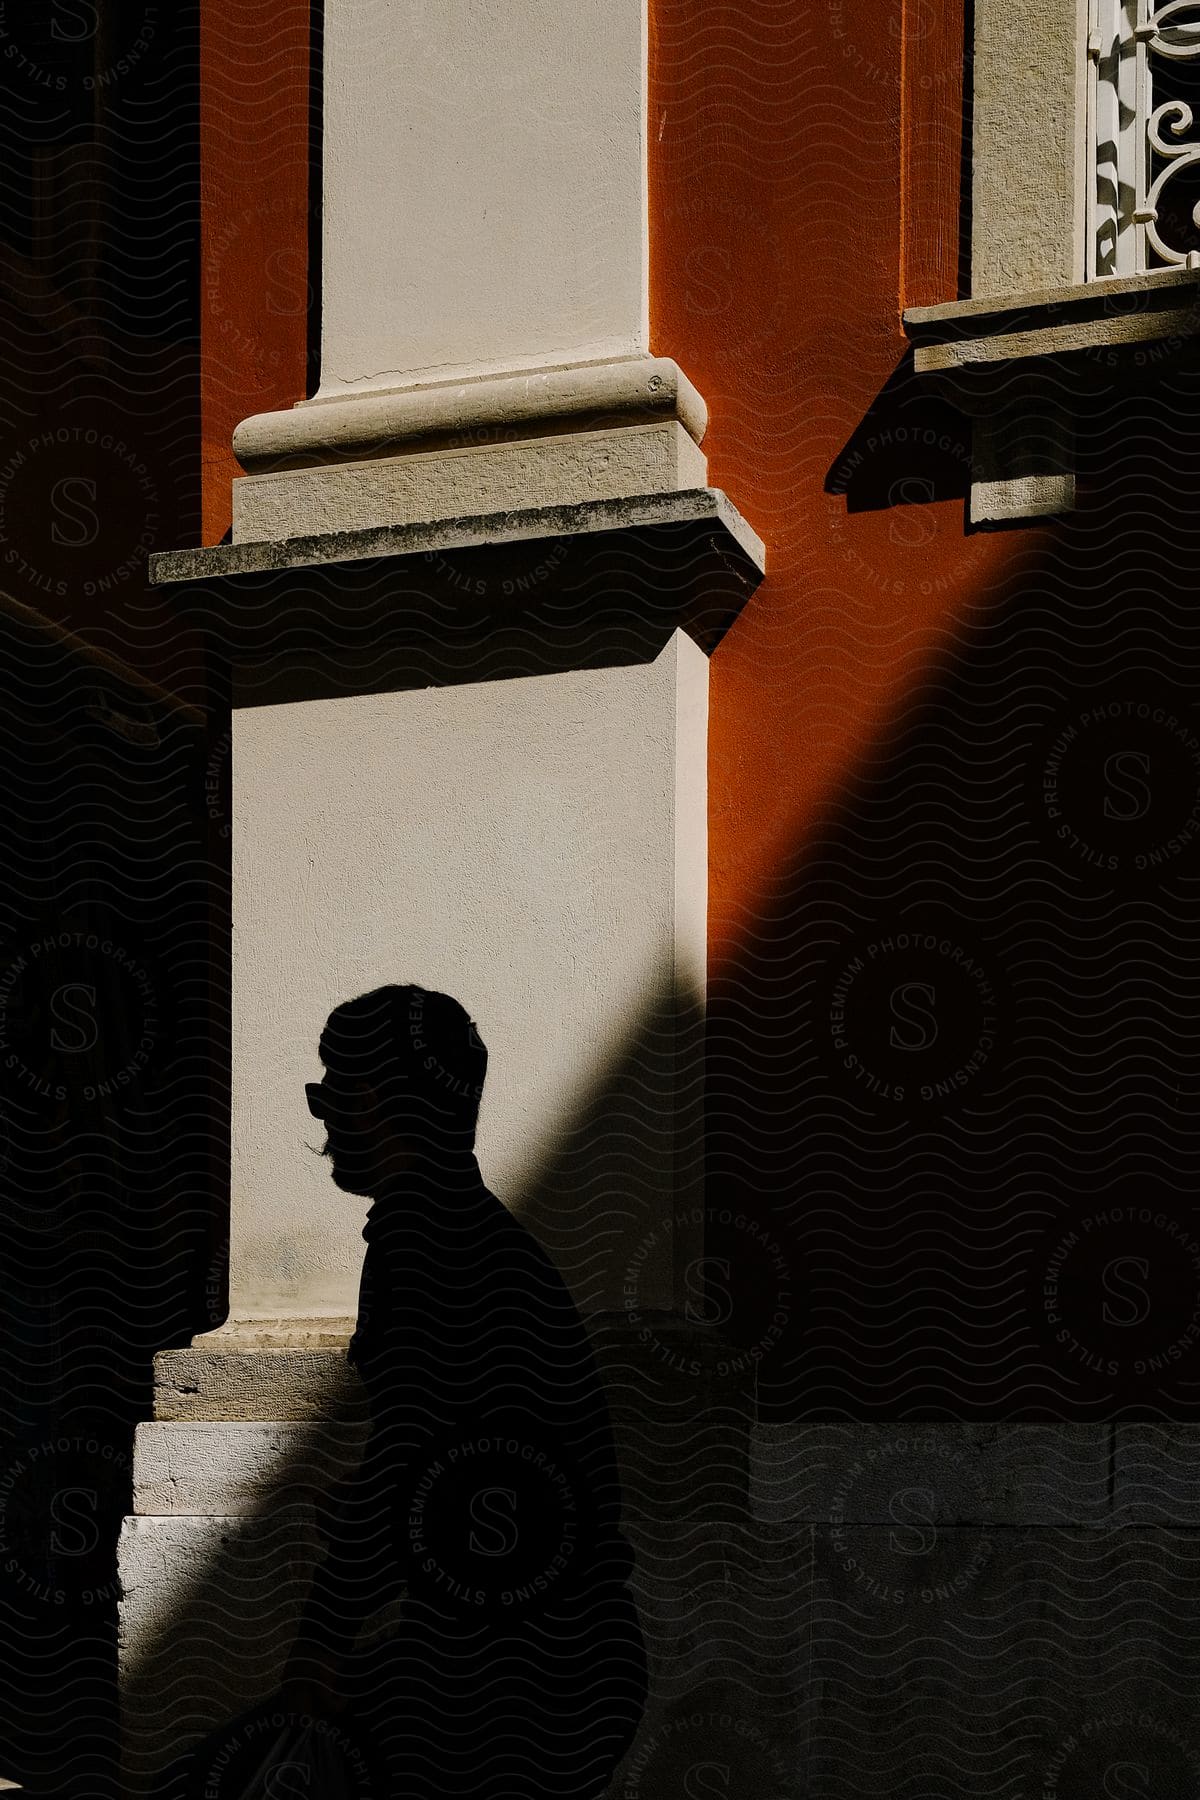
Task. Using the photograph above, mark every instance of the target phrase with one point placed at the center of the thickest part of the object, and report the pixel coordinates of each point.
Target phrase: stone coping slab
(703, 508)
(537, 591)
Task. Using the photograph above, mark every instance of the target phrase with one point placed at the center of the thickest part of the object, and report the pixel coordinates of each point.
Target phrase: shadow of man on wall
(471, 1616)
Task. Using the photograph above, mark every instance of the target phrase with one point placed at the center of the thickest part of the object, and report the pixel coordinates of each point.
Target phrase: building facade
(696, 562)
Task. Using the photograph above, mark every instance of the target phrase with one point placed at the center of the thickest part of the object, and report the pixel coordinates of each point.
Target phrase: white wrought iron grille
(1143, 92)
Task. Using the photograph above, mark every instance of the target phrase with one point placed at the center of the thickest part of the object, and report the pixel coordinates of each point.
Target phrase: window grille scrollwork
(1144, 101)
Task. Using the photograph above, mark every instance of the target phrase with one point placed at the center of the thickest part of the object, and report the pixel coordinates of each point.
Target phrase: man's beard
(351, 1174)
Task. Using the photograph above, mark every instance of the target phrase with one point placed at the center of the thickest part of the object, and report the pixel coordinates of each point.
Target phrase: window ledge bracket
(1023, 367)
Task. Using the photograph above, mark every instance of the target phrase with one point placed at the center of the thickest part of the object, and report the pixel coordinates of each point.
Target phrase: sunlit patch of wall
(805, 171)
(254, 154)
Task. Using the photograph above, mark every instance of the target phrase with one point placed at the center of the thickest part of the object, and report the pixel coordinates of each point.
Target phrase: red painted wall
(914, 731)
(254, 273)
(805, 173)
(804, 186)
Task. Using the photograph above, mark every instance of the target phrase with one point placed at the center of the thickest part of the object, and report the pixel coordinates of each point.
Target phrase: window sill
(1110, 312)
(1004, 361)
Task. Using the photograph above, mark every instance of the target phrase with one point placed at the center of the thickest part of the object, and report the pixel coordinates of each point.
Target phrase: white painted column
(533, 844)
(485, 259)
(534, 847)
(484, 188)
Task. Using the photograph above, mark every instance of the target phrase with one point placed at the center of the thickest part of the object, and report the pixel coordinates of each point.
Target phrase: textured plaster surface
(1028, 144)
(536, 848)
(484, 187)
(405, 490)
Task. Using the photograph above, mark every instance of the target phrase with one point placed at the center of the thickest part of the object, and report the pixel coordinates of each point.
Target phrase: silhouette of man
(488, 1501)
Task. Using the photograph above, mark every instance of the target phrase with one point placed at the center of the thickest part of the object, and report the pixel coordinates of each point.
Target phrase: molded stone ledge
(336, 426)
(1110, 312)
(704, 507)
(528, 591)
(1024, 366)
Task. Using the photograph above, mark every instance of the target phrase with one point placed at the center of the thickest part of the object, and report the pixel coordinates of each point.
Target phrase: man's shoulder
(516, 1249)
(511, 1236)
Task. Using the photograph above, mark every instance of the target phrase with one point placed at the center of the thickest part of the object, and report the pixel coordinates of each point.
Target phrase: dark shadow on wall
(1025, 822)
(215, 1603)
(956, 1064)
(724, 1594)
(112, 1098)
(107, 1184)
(911, 448)
(951, 1142)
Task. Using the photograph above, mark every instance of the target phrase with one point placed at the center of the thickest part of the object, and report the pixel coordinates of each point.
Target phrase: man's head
(404, 1073)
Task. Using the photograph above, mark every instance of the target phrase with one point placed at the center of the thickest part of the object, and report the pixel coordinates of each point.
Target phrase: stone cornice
(701, 507)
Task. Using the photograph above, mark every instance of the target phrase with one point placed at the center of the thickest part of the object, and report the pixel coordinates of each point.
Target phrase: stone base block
(1156, 1475)
(1021, 497)
(976, 1663)
(923, 1611)
(725, 1615)
(209, 1613)
(205, 1382)
(725, 1604)
(240, 1469)
(679, 1398)
(419, 488)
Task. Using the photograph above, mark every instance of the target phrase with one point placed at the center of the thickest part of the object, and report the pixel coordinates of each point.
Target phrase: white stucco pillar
(535, 847)
(484, 188)
(485, 258)
(532, 844)
(466, 612)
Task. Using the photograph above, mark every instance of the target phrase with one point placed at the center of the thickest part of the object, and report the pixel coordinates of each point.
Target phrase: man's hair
(416, 1049)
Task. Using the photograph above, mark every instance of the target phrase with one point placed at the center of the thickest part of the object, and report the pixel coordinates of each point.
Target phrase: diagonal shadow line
(202, 1641)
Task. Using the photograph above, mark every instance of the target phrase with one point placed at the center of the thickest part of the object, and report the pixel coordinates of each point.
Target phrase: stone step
(239, 1468)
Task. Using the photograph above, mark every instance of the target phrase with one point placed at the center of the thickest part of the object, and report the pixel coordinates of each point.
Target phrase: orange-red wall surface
(805, 171)
(805, 167)
(949, 940)
(254, 162)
